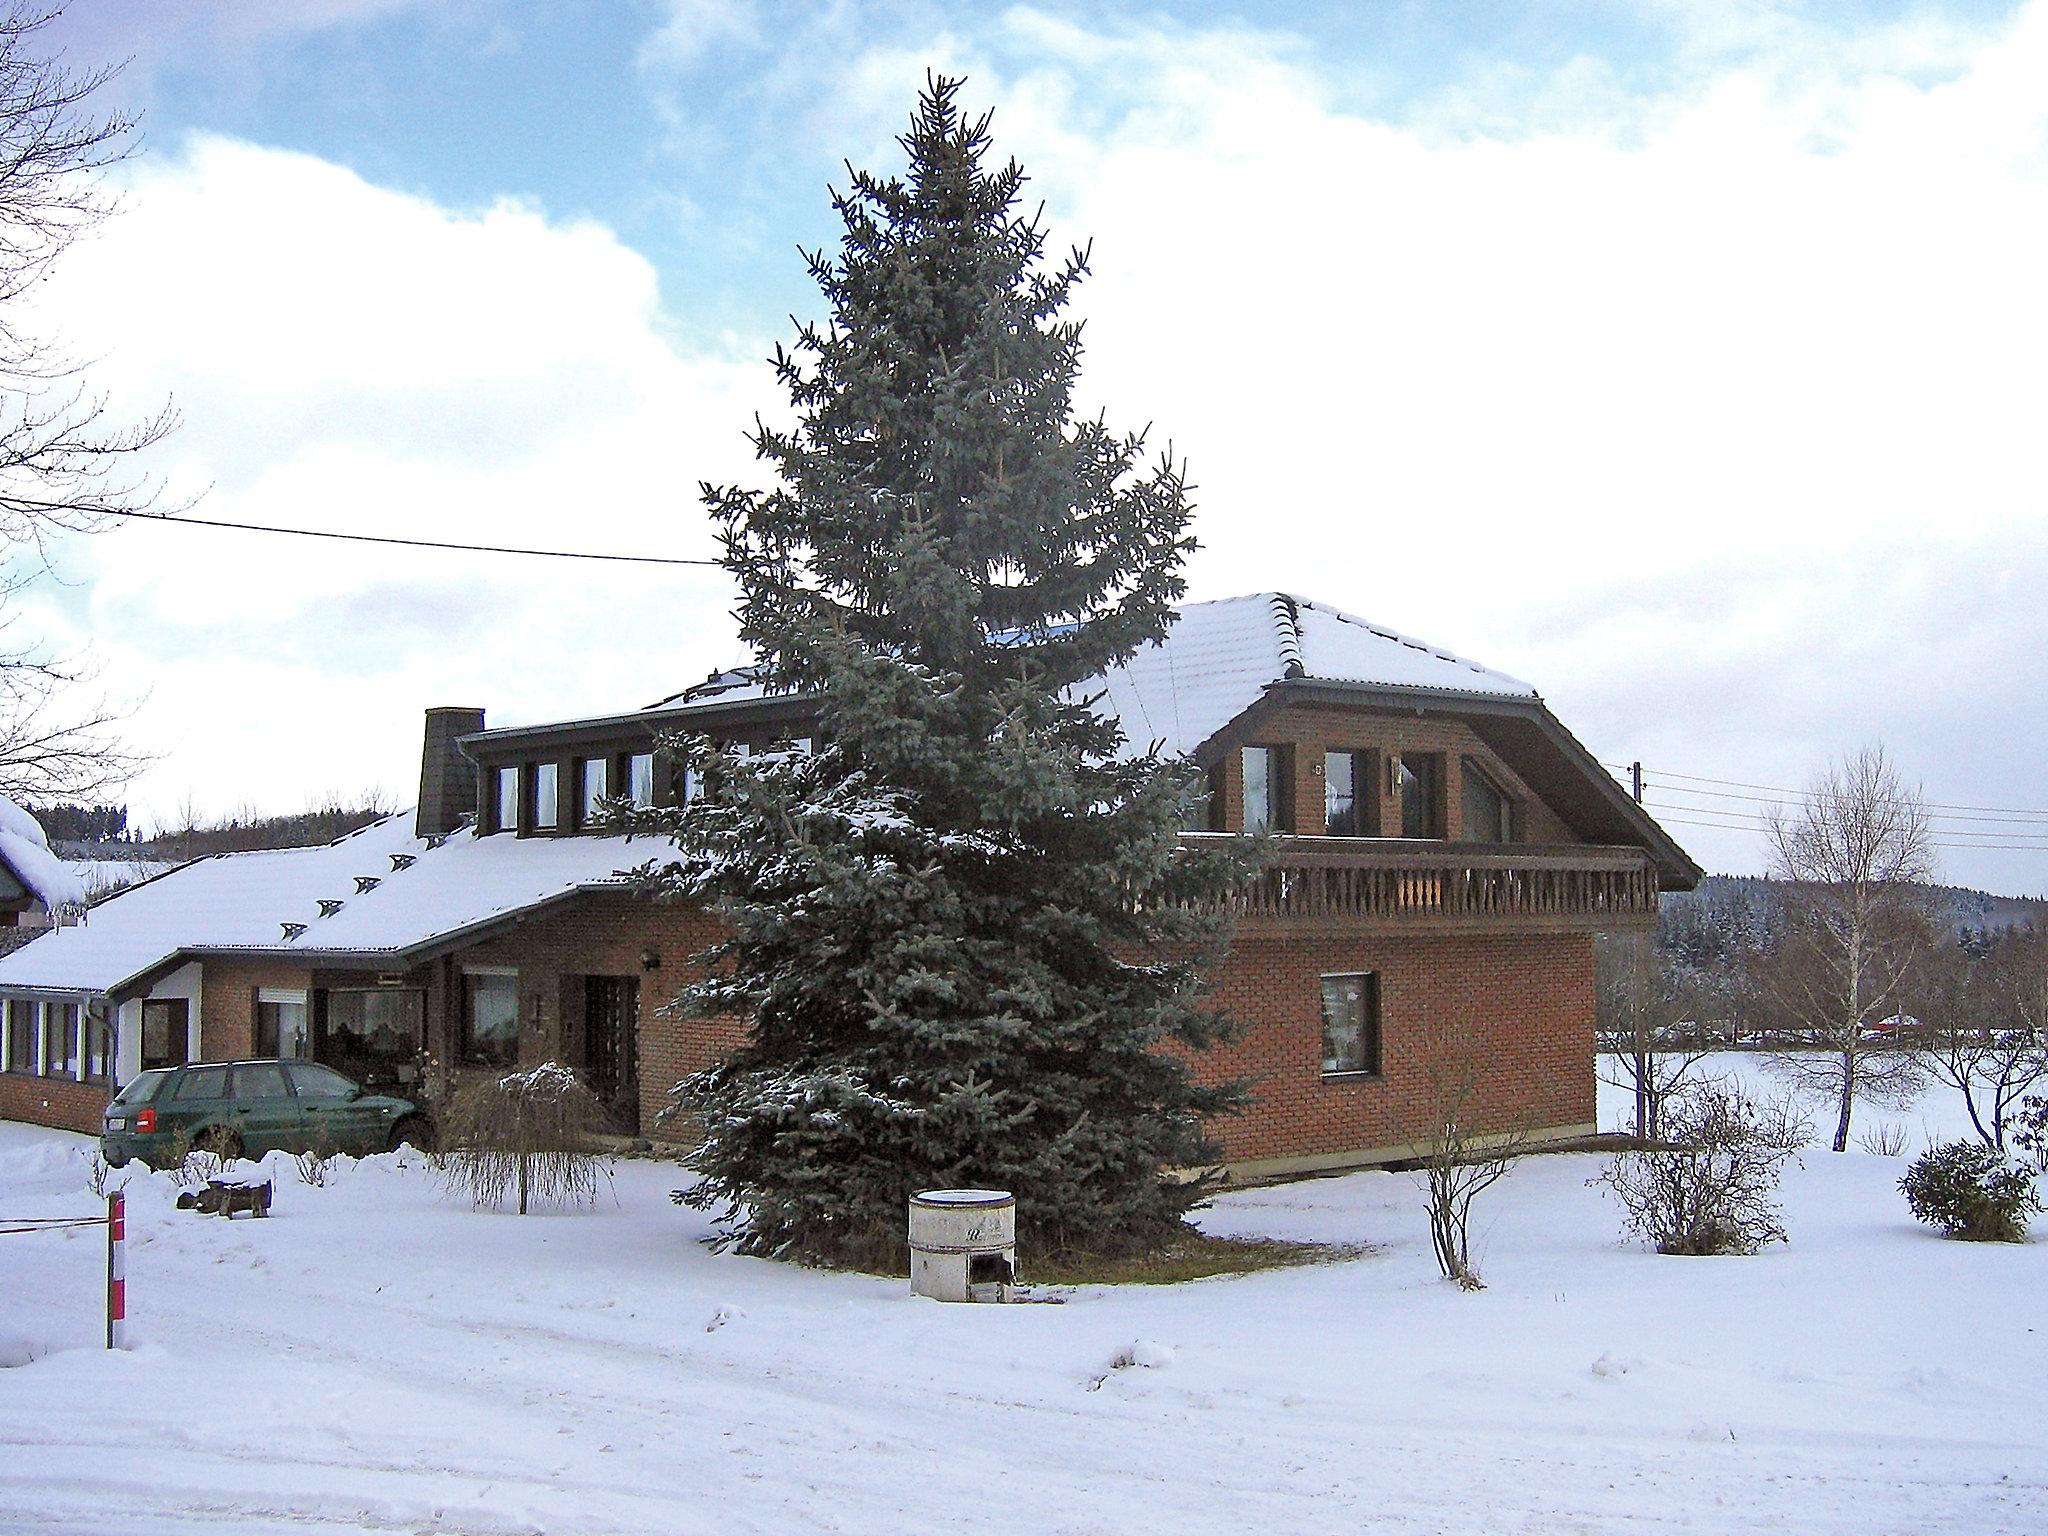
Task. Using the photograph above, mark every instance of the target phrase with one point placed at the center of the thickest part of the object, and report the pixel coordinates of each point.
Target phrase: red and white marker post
(117, 1271)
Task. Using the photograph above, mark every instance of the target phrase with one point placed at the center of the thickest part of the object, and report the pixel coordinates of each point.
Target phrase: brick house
(1447, 851)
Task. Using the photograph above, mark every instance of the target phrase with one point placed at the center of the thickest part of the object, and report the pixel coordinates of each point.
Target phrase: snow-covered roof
(1216, 662)
(1220, 657)
(26, 850)
(416, 893)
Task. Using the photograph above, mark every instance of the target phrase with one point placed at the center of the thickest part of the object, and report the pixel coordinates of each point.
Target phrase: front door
(611, 1043)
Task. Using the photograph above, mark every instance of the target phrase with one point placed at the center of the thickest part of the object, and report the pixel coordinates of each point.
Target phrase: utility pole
(1635, 775)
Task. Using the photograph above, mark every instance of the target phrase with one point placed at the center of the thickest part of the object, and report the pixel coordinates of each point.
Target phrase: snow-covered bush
(1968, 1190)
(1709, 1188)
(531, 1133)
(2029, 1131)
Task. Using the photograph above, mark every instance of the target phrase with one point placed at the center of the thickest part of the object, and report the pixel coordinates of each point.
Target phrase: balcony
(1343, 883)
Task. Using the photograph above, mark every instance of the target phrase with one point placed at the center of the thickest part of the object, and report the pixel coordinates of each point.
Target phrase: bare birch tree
(1854, 858)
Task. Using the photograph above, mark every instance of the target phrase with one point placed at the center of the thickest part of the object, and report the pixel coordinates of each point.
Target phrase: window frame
(30, 1021)
(53, 1029)
(506, 775)
(182, 1006)
(544, 811)
(1400, 764)
(1365, 792)
(1278, 817)
(466, 1053)
(589, 807)
(1371, 1025)
(630, 778)
(1470, 767)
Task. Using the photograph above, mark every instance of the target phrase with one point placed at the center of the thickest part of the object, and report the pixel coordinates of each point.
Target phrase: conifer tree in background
(965, 925)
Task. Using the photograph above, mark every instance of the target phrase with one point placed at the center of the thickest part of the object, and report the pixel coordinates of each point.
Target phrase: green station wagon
(248, 1108)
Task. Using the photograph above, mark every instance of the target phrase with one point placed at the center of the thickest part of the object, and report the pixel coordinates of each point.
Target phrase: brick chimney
(447, 778)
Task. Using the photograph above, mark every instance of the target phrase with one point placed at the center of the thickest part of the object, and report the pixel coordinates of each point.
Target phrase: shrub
(2030, 1130)
(527, 1132)
(1708, 1188)
(1967, 1190)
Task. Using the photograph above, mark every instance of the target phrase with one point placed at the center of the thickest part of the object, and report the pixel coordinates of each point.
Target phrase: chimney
(447, 778)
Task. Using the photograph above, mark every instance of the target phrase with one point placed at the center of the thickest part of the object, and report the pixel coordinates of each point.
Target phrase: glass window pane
(546, 795)
(203, 1083)
(316, 1082)
(507, 818)
(1485, 810)
(99, 1048)
(141, 1089)
(1420, 776)
(1340, 793)
(21, 1035)
(490, 1025)
(280, 1029)
(640, 778)
(165, 1039)
(375, 1036)
(265, 1080)
(60, 1040)
(1350, 1025)
(1258, 788)
(595, 786)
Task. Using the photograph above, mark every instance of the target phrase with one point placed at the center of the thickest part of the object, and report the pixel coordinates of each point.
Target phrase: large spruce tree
(965, 930)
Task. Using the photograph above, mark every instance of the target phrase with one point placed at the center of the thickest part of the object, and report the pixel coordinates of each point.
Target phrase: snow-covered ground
(378, 1358)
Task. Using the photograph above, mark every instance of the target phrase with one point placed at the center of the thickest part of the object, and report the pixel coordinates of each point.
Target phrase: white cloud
(349, 357)
(1708, 410)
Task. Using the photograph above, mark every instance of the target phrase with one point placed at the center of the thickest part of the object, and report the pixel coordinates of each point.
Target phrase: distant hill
(1732, 912)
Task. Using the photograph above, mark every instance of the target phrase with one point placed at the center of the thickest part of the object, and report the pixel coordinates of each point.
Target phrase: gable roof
(1220, 659)
(421, 893)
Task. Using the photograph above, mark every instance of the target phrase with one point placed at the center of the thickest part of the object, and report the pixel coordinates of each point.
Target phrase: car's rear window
(262, 1080)
(203, 1083)
(141, 1089)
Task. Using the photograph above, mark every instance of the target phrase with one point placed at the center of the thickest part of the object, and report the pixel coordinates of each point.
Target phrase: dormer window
(547, 789)
(593, 784)
(505, 800)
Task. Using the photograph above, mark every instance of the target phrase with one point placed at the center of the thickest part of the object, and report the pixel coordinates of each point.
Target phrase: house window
(1264, 789)
(375, 1036)
(1488, 814)
(505, 800)
(99, 1048)
(60, 1040)
(21, 1035)
(1419, 780)
(165, 1033)
(1351, 1024)
(1348, 793)
(490, 1019)
(1198, 804)
(593, 783)
(640, 779)
(547, 803)
(280, 1023)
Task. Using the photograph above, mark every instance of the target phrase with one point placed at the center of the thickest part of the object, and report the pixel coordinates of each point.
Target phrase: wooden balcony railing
(1343, 881)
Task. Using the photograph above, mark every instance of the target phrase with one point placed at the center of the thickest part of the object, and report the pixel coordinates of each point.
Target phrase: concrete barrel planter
(963, 1244)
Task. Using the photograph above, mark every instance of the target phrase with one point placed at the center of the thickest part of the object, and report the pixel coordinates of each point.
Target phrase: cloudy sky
(1682, 358)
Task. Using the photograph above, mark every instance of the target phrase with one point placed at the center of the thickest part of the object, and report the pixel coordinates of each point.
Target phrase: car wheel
(114, 1159)
(220, 1141)
(417, 1129)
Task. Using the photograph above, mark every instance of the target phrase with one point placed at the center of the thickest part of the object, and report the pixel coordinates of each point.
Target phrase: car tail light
(145, 1121)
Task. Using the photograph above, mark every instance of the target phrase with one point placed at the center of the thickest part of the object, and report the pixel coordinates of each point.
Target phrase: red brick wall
(54, 1101)
(227, 1004)
(1520, 1004)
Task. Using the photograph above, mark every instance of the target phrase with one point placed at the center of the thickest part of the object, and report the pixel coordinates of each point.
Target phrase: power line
(1952, 846)
(1798, 794)
(381, 538)
(2037, 823)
